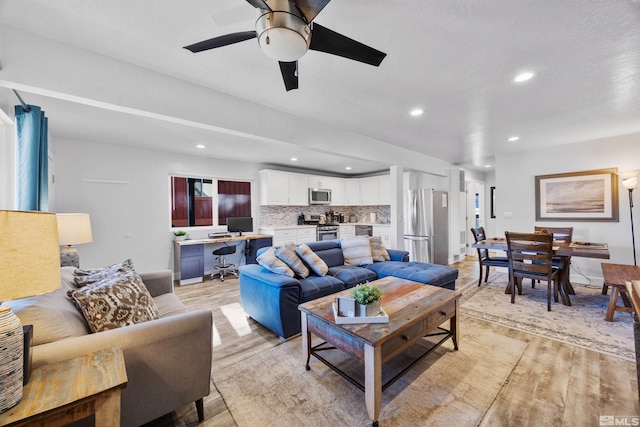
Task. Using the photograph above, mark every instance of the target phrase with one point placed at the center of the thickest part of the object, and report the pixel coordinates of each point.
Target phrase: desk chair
(223, 268)
(531, 256)
(484, 260)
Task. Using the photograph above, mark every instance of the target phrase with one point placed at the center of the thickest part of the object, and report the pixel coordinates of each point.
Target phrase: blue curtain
(32, 189)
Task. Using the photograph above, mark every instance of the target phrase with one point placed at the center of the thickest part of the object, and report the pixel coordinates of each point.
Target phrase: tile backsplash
(288, 215)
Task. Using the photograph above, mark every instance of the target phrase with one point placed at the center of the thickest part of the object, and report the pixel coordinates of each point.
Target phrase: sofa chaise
(168, 360)
(272, 299)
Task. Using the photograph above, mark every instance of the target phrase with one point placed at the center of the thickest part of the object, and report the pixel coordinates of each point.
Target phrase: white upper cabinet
(352, 192)
(338, 192)
(283, 188)
(316, 181)
(384, 190)
(369, 191)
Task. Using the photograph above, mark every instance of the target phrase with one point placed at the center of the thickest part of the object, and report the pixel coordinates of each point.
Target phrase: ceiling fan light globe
(283, 44)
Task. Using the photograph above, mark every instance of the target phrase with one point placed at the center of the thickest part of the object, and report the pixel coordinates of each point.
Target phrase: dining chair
(484, 259)
(559, 233)
(531, 256)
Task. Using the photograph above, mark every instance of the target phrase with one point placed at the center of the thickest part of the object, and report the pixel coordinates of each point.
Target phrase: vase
(367, 310)
(181, 237)
(11, 343)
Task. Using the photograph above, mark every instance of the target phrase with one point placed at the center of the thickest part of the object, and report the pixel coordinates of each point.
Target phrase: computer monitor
(240, 224)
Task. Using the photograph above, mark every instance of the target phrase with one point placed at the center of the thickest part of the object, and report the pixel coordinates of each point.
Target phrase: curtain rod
(25, 107)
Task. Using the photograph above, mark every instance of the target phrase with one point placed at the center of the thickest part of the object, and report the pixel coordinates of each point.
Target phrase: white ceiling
(454, 58)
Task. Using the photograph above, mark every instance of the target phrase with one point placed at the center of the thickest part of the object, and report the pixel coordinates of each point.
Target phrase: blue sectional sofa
(272, 299)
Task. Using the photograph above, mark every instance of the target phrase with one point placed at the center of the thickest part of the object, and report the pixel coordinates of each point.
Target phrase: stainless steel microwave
(319, 196)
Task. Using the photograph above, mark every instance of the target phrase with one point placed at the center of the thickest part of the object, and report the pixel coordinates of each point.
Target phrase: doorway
(476, 207)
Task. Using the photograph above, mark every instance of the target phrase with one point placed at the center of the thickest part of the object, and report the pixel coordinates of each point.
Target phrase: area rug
(446, 388)
(581, 324)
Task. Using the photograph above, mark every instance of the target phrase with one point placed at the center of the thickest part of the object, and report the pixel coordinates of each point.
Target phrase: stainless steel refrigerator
(426, 225)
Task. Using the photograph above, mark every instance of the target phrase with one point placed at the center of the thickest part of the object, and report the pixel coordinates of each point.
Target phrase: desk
(63, 392)
(561, 249)
(189, 255)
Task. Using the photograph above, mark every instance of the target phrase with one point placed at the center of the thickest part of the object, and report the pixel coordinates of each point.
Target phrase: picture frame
(578, 196)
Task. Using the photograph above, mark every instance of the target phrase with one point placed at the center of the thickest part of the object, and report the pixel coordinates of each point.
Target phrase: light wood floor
(553, 384)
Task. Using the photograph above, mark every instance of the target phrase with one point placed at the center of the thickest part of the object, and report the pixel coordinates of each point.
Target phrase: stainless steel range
(327, 232)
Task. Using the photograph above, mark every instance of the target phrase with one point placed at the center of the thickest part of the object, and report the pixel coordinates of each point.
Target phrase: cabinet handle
(442, 313)
(404, 337)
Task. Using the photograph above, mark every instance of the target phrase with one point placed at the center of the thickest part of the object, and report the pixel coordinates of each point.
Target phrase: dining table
(561, 248)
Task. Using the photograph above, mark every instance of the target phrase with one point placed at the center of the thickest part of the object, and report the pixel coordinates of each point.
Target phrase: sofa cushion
(271, 262)
(169, 305)
(329, 250)
(95, 275)
(287, 253)
(352, 275)
(315, 263)
(356, 250)
(115, 302)
(318, 286)
(378, 251)
(53, 316)
(430, 274)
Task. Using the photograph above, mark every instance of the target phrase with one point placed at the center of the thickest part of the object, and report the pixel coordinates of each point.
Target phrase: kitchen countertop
(289, 227)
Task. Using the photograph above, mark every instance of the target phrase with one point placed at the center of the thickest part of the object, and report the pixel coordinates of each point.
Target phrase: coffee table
(415, 311)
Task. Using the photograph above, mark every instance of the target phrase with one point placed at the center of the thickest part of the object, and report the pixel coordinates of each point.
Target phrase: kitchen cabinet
(338, 193)
(352, 192)
(316, 181)
(384, 231)
(369, 191)
(283, 188)
(305, 235)
(297, 235)
(384, 190)
(347, 230)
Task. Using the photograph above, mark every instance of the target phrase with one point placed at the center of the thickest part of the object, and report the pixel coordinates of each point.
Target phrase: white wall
(515, 184)
(130, 213)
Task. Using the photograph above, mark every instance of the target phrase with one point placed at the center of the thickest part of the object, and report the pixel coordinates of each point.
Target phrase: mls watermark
(617, 420)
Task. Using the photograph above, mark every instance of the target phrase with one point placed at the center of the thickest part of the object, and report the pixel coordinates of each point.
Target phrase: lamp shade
(74, 228)
(30, 254)
(630, 183)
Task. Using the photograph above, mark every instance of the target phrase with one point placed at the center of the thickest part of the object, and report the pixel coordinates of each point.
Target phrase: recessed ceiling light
(417, 112)
(513, 138)
(487, 166)
(348, 168)
(200, 146)
(294, 159)
(523, 77)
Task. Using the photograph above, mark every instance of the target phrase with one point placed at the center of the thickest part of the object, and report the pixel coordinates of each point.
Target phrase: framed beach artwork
(578, 196)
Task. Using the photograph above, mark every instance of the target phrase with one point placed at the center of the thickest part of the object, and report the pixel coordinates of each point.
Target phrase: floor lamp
(630, 184)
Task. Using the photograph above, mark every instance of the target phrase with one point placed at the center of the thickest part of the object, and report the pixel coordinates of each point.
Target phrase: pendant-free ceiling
(285, 32)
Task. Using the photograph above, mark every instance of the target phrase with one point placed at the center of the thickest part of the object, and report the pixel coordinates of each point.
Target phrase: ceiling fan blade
(310, 8)
(221, 41)
(259, 4)
(289, 72)
(328, 41)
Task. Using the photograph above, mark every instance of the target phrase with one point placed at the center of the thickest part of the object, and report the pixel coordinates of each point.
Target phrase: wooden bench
(615, 276)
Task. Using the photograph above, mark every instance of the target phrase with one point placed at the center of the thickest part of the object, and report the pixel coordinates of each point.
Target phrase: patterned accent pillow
(378, 251)
(356, 250)
(315, 263)
(269, 261)
(95, 275)
(287, 253)
(112, 303)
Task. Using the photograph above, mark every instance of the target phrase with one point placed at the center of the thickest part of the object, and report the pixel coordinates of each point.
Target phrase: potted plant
(368, 299)
(180, 234)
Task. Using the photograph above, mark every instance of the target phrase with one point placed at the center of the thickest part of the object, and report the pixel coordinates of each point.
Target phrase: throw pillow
(287, 253)
(269, 261)
(378, 251)
(115, 302)
(315, 263)
(356, 250)
(95, 275)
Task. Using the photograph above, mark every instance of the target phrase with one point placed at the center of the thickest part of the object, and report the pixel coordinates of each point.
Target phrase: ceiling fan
(285, 32)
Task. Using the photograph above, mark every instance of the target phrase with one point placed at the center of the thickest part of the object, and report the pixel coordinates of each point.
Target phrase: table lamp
(73, 229)
(630, 184)
(30, 266)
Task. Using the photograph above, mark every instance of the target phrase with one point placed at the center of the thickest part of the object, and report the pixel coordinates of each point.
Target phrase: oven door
(327, 235)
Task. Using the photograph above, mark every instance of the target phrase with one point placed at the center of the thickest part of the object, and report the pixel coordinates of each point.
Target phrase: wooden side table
(67, 391)
(615, 276)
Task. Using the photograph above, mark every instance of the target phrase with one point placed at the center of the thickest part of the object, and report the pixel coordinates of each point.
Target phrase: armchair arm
(158, 282)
